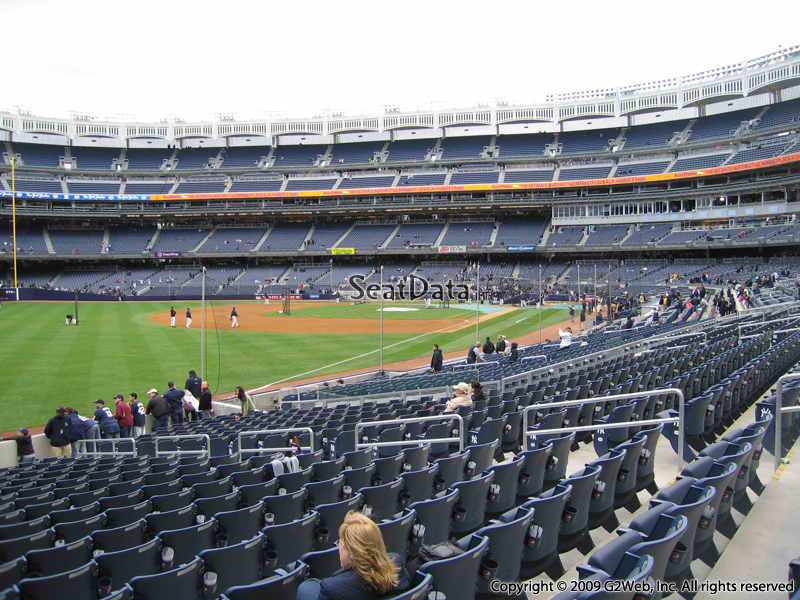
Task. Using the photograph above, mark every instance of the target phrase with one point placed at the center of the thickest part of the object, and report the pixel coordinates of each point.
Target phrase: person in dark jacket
(193, 384)
(109, 428)
(175, 398)
(488, 346)
(206, 407)
(513, 355)
(138, 413)
(57, 431)
(500, 347)
(368, 571)
(159, 408)
(436, 359)
(25, 451)
(472, 355)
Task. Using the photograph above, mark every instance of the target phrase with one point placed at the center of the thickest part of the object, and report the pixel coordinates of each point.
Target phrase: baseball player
(172, 314)
(234, 318)
(188, 317)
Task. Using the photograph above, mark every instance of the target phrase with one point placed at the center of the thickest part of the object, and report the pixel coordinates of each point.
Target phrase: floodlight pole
(14, 217)
(579, 282)
(203, 325)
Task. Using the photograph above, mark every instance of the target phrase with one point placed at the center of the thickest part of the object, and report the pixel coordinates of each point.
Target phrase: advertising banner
(336, 251)
(168, 254)
(521, 249)
(452, 249)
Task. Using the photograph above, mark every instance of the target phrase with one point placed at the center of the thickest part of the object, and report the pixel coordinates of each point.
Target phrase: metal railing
(395, 422)
(762, 323)
(177, 438)
(779, 410)
(83, 447)
(242, 451)
(683, 335)
(680, 419)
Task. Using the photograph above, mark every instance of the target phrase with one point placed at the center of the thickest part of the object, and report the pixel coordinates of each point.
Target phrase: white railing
(680, 419)
(258, 450)
(83, 447)
(398, 422)
(178, 438)
(780, 409)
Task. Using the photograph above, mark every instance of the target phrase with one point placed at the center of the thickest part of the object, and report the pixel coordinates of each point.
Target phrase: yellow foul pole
(14, 217)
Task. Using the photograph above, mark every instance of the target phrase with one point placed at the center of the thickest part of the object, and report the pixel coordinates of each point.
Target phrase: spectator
(205, 408)
(367, 572)
(124, 416)
(138, 413)
(513, 355)
(436, 359)
(566, 337)
(488, 346)
(461, 398)
(159, 408)
(245, 401)
(25, 451)
(477, 392)
(194, 384)
(80, 429)
(108, 424)
(191, 405)
(500, 347)
(174, 398)
(474, 354)
(57, 431)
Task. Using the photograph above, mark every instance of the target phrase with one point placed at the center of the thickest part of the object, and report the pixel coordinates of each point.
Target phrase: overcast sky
(153, 59)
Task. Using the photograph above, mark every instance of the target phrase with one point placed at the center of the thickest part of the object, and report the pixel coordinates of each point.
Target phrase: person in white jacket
(566, 337)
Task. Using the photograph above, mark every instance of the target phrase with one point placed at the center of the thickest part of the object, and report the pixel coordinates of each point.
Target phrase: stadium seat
(15, 530)
(208, 507)
(66, 557)
(172, 501)
(398, 533)
(75, 530)
(507, 537)
(575, 520)
(182, 583)
(331, 517)
(328, 469)
(238, 525)
(76, 584)
(556, 467)
(531, 477)
(278, 584)
(253, 493)
(188, 541)
(12, 572)
(601, 507)
(660, 532)
(16, 547)
(285, 508)
(120, 538)
(117, 568)
(506, 475)
(457, 577)
(382, 501)
(286, 542)
(418, 485)
(357, 478)
(541, 545)
(322, 563)
(473, 495)
(325, 492)
(117, 517)
(236, 564)
(172, 519)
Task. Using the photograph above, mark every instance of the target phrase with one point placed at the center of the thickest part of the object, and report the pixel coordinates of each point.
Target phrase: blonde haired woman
(367, 572)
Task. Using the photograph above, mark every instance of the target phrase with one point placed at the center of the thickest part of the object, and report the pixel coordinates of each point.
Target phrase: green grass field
(116, 349)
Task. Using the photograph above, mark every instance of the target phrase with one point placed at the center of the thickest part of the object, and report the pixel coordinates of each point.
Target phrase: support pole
(478, 303)
(14, 215)
(541, 304)
(203, 326)
(381, 320)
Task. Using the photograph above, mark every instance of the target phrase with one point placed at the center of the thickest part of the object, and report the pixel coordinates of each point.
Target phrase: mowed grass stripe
(116, 349)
